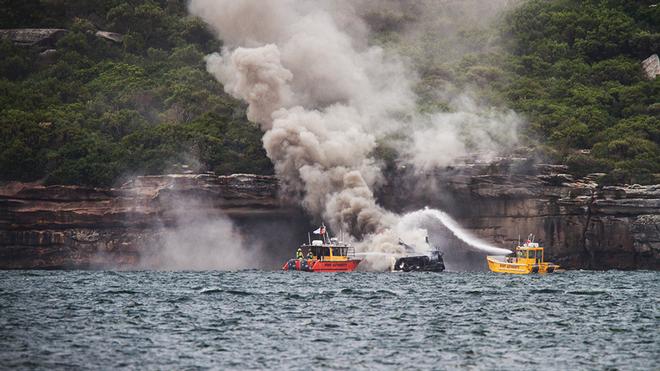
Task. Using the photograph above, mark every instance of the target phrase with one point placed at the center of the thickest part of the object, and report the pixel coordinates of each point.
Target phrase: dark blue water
(257, 319)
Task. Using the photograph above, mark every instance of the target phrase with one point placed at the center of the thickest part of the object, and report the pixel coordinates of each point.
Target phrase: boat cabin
(332, 251)
(529, 255)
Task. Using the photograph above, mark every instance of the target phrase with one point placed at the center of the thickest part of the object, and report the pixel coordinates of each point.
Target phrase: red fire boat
(328, 254)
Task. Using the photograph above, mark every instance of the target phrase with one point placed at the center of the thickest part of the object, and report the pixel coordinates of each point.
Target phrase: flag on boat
(321, 230)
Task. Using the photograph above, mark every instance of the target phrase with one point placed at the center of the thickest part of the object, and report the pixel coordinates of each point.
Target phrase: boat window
(320, 251)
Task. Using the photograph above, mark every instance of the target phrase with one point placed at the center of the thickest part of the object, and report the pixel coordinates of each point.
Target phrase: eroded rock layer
(581, 224)
(75, 227)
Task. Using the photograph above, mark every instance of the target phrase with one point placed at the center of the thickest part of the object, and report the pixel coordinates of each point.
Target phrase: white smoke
(204, 242)
(191, 233)
(469, 130)
(427, 215)
(324, 98)
(413, 228)
(256, 76)
(321, 96)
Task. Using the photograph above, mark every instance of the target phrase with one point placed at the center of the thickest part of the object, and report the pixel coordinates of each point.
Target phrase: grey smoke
(321, 96)
(324, 97)
(469, 130)
(191, 235)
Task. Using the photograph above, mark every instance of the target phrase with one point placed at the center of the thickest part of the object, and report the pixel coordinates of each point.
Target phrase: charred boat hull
(420, 263)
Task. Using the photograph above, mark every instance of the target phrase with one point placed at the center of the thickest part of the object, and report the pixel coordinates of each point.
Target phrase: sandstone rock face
(33, 36)
(47, 37)
(651, 67)
(75, 227)
(112, 36)
(580, 224)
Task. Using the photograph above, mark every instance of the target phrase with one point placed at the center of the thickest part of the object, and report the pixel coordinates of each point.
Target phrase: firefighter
(299, 254)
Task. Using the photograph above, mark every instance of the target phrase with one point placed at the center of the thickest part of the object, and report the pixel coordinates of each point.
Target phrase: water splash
(420, 217)
(462, 251)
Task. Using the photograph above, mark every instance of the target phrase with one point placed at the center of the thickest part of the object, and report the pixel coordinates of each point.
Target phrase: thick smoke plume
(322, 97)
(325, 98)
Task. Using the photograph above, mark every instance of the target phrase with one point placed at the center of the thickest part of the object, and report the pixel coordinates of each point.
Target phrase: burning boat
(431, 262)
(328, 254)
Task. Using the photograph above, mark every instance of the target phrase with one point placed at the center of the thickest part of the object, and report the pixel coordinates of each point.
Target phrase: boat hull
(498, 266)
(419, 263)
(314, 265)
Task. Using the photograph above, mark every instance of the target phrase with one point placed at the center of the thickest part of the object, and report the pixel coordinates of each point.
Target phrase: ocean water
(297, 320)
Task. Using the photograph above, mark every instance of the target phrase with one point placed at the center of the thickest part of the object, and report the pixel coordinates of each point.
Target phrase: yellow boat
(528, 259)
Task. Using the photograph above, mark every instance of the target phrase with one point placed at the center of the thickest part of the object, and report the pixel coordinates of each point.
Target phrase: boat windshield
(320, 251)
(536, 255)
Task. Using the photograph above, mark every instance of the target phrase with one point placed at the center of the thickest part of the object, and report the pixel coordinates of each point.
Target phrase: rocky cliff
(74, 227)
(581, 224)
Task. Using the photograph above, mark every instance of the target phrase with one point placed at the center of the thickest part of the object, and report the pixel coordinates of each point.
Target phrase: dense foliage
(575, 71)
(96, 110)
(571, 68)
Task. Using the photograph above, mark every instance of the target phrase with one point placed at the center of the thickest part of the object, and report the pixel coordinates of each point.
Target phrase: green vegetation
(100, 110)
(575, 71)
(97, 110)
(571, 68)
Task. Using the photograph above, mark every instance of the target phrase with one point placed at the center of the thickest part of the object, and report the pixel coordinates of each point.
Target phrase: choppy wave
(262, 320)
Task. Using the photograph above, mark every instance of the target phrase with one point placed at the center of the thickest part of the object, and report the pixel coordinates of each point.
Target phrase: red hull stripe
(347, 266)
(319, 266)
